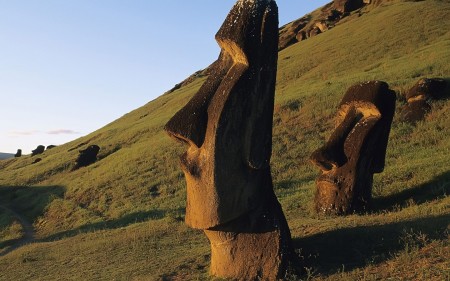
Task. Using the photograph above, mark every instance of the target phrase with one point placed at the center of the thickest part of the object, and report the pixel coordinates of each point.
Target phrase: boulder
(50, 147)
(356, 149)
(227, 127)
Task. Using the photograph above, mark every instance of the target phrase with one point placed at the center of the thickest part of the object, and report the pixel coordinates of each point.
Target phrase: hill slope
(122, 216)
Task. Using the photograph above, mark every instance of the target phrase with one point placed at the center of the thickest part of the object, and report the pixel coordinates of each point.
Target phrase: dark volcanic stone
(18, 153)
(345, 6)
(87, 156)
(430, 88)
(39, 150)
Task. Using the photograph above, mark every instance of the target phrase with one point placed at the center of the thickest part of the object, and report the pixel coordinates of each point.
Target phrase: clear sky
(69, 67)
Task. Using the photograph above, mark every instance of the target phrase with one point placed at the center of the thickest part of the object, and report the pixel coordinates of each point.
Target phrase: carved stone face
(356, 149)
(418, 98)
(227, 125)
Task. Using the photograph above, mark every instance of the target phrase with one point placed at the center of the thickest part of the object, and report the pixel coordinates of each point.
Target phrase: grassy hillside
(122, 217)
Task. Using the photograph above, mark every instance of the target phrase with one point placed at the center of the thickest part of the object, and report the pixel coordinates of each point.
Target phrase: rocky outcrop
(308, 26)
(419, 97)
(50, 147)
(321, 21)
(356, 149)
(227, 127)
(346, 6)
(87, 157)
(39, 150)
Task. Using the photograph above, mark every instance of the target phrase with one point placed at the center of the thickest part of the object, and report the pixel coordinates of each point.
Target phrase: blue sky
(69, 67)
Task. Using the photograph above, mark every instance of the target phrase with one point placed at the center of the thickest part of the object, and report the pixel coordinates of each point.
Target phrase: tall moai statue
(356, 149)
(227, 127)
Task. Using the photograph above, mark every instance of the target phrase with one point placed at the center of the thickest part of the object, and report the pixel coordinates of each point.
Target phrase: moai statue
(87, 157)
(18, 153)
(39, 150)
(227, 127)
(418, 98)
(356, 149)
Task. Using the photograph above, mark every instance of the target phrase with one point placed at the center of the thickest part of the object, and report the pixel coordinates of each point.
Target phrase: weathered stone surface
(39, 150)
(18, 153)
(227, 126)
(415, 111)
(419, 96)
(356, 149)
(87, 156)
(50, 147)
(427, 88)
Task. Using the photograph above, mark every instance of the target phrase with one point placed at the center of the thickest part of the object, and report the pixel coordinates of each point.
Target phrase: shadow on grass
(30, 201)
(24, 204)
(357, 247)
(124, 221)
(438, 187)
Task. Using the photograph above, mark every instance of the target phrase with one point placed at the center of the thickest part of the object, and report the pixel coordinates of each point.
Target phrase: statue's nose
(189, 124)
(332, 154)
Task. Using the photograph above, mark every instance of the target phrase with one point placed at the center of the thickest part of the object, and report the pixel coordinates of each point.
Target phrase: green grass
(121, 218)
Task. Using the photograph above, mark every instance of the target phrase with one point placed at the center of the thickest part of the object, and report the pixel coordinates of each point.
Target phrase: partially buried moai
(227, 126)
(419, 96)
(356, 149)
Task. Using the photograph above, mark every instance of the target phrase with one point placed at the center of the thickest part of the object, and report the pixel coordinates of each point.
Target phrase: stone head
(227, 125)
(356, 149)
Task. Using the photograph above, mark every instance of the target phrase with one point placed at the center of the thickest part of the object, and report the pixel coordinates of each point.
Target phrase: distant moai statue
(39, 150)
(227, 127)
(87, 157)
(419, 96)
(18, 153)
(356, 149)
